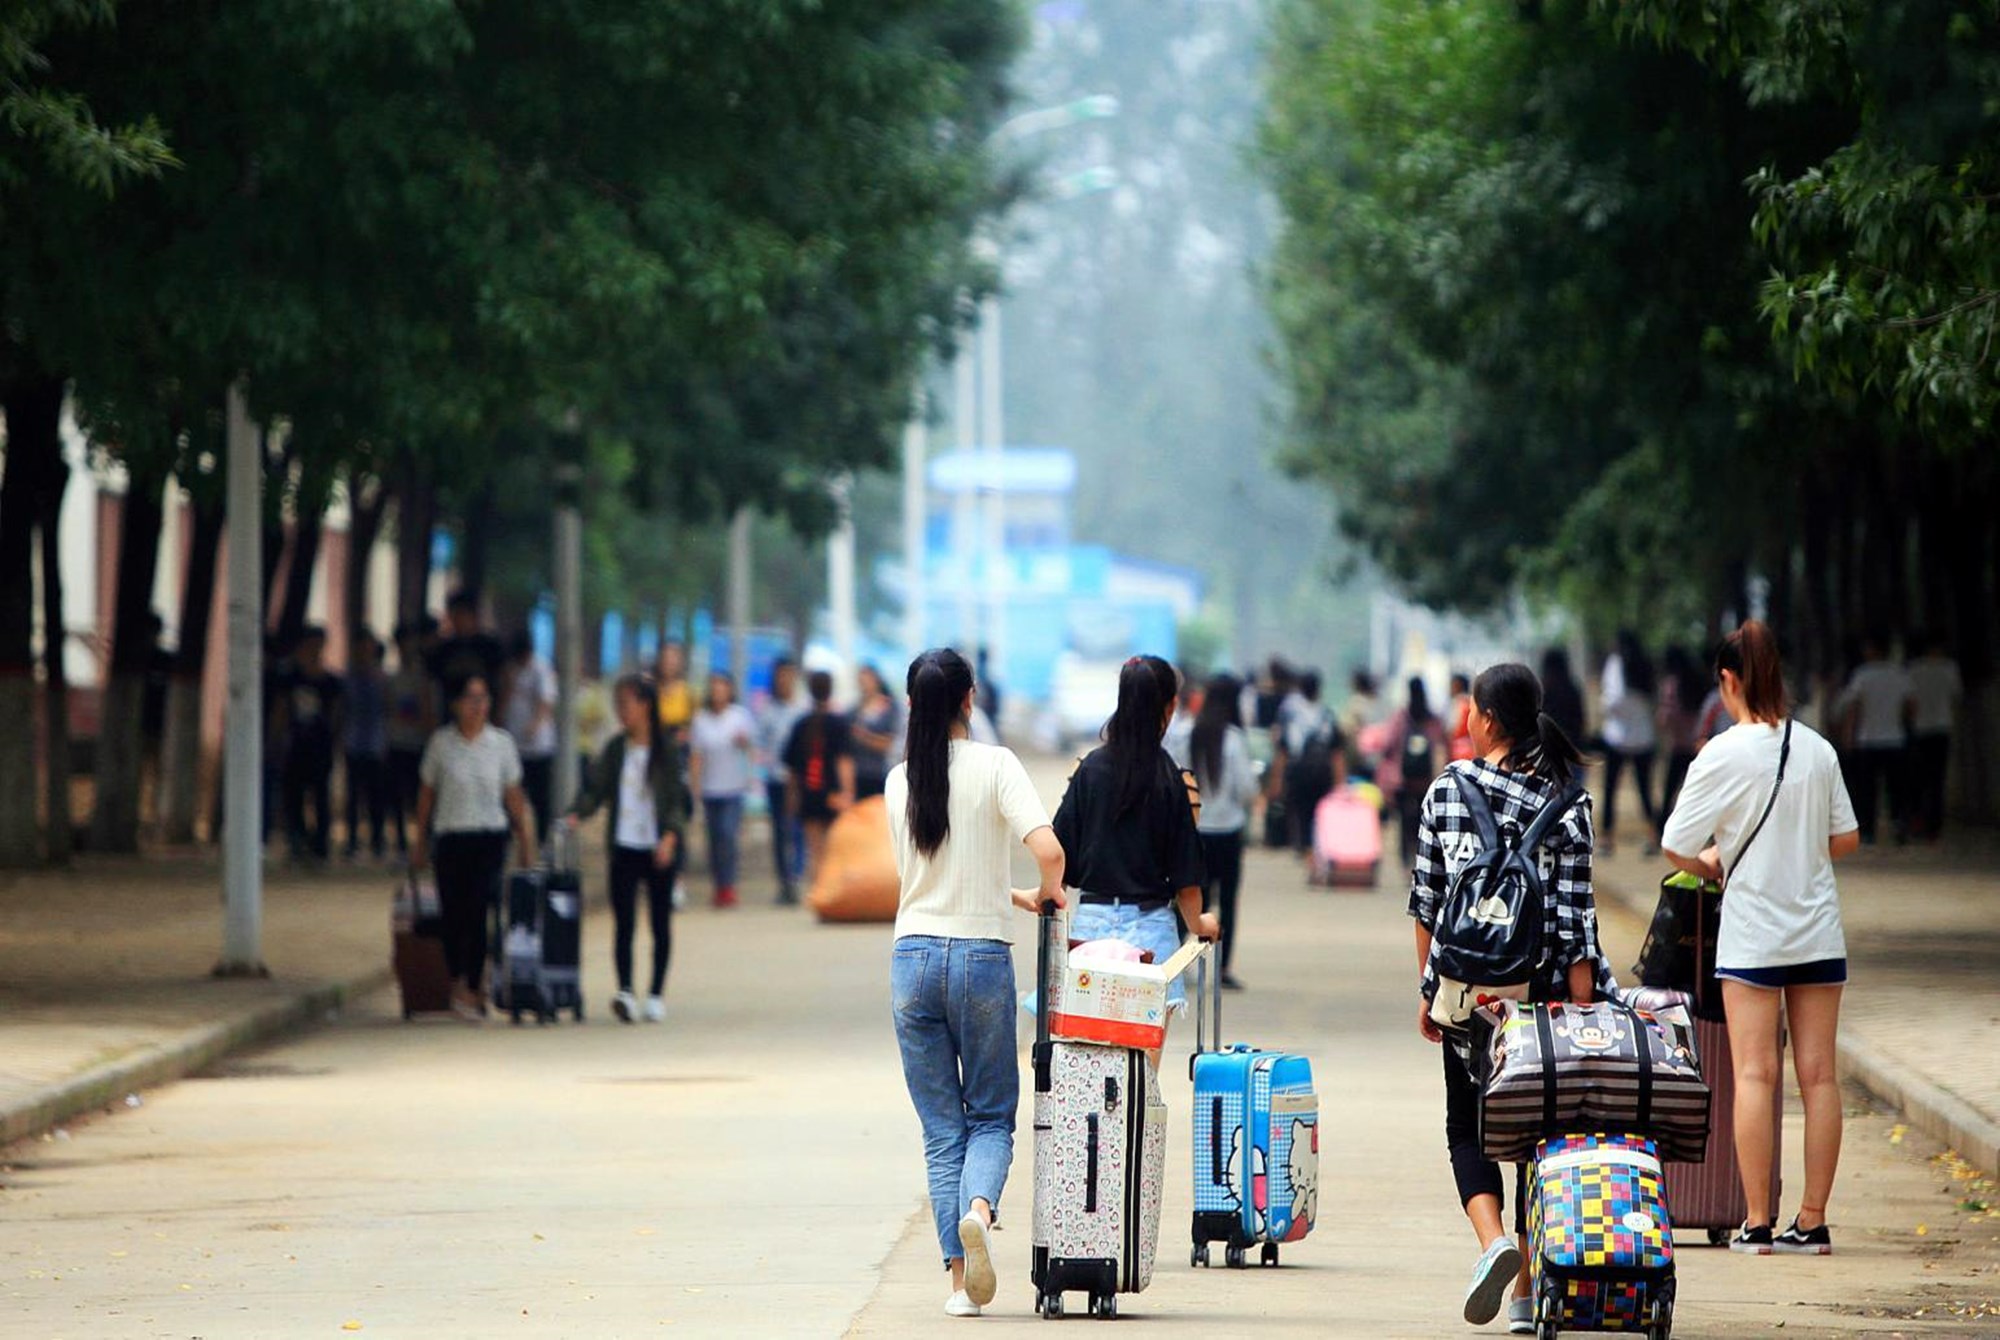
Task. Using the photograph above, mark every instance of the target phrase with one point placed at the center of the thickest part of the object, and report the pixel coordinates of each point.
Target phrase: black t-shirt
(457, 658)
(819, 741)
(310, 701)
(1152, 851)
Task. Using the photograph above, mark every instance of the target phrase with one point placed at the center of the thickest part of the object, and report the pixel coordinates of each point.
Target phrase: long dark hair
(1638, 666)
(1147, 687)
(1512, 696)
(1420, 714)
(938, 682)
(642, 688)
(1751, 654)
(1220, 709)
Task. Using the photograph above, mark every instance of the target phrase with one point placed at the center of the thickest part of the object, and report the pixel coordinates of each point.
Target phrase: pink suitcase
(1347, 841)
(1709, 1194)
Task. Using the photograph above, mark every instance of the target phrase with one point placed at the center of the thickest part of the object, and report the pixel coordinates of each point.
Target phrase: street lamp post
(243, 746)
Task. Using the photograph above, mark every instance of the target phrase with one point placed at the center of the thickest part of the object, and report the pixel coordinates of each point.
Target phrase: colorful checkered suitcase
(1602, 1240)
(1256, 1141)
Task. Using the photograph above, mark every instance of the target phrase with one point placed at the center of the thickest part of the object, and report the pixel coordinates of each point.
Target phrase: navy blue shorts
(1820, 972)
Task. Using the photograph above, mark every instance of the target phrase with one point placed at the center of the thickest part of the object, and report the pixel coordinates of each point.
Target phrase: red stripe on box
(1108, 1031)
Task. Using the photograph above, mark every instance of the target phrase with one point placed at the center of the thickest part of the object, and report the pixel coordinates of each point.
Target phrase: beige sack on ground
(857, 878)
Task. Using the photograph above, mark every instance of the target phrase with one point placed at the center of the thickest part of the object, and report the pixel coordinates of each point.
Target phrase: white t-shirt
(1629, 719)
(1937, 687)
(1781, 906)
(534, 688)
(726, 744)
(470, 778)
(1880, 689)
(964, 891)
(638, 825)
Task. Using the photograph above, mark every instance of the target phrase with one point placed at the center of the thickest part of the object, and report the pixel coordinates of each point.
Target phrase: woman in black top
(1127, 823)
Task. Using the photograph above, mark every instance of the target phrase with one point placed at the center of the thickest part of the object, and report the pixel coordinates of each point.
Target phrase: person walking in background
(1562, 696)
(1875, 710)
(676, 695)
(1461, 718)
(1127, 830)
(531, 719)
(776, 717)
(819, 768)
(637, 775)
(1218, 754)
(412, 716)
(1712, 720)
(365, 743)
(1764, 810)
(988, 706)
(1418, 751)
(1363, 709)
(1936, 690)
(1312, 761)
(1526, 763)
(878, 726)
(723, 769)
(1683, 693)
(307, 708)
(469, 799)
(1179, 739)
(1631, 735)
(467, 649)
(957, 811)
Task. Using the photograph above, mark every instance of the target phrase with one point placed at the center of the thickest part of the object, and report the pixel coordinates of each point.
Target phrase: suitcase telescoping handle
(1050, 926)
(1207, 1006)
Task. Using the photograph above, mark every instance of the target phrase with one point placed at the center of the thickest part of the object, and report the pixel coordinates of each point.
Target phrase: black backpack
(1315, 760)
(1489, 930)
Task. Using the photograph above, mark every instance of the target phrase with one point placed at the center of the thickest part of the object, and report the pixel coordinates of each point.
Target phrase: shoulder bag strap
(1476, 805)
(1784, 757)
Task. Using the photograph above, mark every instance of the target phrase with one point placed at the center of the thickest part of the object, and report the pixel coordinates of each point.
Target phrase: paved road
(751, 1168)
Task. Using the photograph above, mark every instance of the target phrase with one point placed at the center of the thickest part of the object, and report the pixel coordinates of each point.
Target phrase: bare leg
(1815, 1015)
(1484, 1212)
(1753, 1038)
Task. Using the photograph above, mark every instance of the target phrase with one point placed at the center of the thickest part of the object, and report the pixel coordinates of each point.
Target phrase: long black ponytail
(1512, 696)
(938, 682)
(1147, 687)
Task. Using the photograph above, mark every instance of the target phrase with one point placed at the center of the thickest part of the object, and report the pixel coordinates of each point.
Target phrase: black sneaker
(1796, 1241)
(1753, 1241)
(1229, 982)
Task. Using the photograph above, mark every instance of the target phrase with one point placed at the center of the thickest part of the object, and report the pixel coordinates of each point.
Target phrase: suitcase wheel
(1660, 1320)
(1718, 1237)
(1199, 1256)
(1234, 1258)
(1104, 1307)
(1050, 1306)
(1269, 1256)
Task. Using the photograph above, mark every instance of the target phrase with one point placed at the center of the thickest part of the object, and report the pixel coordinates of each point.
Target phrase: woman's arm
(1425, 1024)
(420, 846)
(1048, 854)
(1708, 865)
(523, 819)
(1203, 924)
(844, 798)
(1843, 845)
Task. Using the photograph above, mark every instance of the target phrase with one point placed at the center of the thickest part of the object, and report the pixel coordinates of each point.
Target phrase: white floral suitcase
(1100, 1165)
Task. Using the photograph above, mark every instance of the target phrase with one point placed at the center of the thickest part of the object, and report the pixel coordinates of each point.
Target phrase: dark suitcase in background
(422, 979)
(1709, 1194)
(538, 940)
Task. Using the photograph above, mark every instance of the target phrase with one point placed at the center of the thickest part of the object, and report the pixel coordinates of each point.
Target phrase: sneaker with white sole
(958, 1305)
(1521, 1316)
(1752, 1240)
(656, 1009)
(1492, 1275)
(980, 1282)
(625, 1007)
(1796, 1241)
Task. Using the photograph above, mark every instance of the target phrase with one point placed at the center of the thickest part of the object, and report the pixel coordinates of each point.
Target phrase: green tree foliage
(53, 128)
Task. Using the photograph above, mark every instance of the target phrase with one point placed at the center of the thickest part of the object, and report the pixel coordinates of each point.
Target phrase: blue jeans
(724, 815)
(1155, 930)
(788, 838)
(954, 1003)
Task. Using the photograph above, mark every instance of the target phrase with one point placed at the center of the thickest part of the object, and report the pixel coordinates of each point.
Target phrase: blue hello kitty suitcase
(1256, 1141)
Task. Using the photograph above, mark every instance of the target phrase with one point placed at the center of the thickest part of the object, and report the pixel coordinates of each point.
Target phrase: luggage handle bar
(1207, 1007)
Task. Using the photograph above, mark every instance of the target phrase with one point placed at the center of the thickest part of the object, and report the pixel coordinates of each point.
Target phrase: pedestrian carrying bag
(1488, 939)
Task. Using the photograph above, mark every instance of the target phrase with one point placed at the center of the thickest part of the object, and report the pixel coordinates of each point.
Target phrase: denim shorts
(1155, 930)
(1820, 972)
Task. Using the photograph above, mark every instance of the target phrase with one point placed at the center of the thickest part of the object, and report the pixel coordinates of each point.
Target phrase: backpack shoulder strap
(1552, 813)
(1479, 808)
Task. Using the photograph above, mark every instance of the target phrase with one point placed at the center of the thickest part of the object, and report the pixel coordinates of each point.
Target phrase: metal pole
(568, 570)
(965, 520)
(739, 597)
(243, 770)
(993, 433)
(916, 574)
(840, 583)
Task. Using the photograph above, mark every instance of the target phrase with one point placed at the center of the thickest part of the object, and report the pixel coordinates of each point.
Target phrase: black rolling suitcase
(538, 939)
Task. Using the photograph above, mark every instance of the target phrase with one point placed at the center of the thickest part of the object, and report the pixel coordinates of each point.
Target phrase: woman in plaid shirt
(1523, 763)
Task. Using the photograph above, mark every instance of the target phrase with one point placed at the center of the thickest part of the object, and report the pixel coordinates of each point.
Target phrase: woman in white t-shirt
(637, 776)
(1764, 808)
(723, 743)
(956, 812)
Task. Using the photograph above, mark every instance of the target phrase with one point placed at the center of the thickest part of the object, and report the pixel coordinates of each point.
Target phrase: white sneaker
(980, 1282)
(1492, 1276)
(656, 1009)
(624, 1006)
(680, 898)
(958, 1305)
(1521, 1316)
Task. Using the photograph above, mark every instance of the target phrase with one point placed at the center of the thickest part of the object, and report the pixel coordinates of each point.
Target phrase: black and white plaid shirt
(1447, 841)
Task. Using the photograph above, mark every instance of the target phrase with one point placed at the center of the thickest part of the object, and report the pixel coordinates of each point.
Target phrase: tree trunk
(367, 501)
(476, 540)
(180, 754)
(33, 405)
(299, 568)
(114, 821)
(416, 518)
(55, 677)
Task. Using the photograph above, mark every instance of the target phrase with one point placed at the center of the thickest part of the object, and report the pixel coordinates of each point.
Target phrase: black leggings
(468, 867)
(1642, 775)
(1475, 1174)
(400, 789)
(367, 781)
(1223, 854)
(631, 867)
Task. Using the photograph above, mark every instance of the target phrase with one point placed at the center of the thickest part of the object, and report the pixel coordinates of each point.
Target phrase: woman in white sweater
(957, 810)
(1218, 754)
